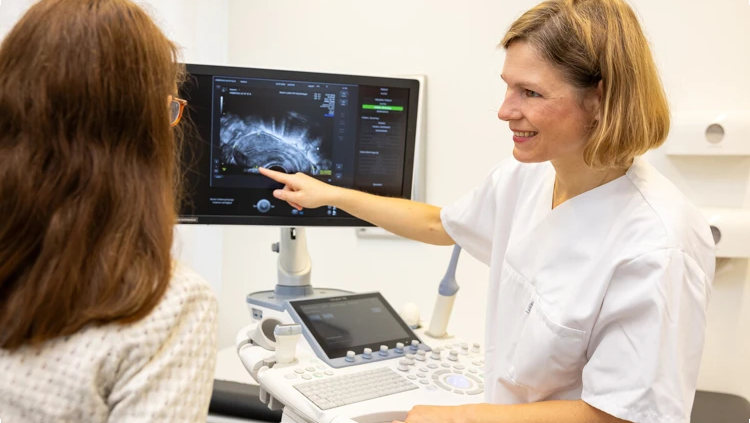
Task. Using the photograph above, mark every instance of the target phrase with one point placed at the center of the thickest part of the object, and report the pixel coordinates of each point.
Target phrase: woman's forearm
(409, 219)
(576, 411)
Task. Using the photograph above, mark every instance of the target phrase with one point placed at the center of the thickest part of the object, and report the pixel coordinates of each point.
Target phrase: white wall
(701, 52)
(10, 12)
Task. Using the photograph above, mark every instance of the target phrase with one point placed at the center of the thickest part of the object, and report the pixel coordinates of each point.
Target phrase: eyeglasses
(176, 107)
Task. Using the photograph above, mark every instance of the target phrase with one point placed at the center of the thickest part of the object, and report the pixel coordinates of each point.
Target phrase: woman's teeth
(525, 134)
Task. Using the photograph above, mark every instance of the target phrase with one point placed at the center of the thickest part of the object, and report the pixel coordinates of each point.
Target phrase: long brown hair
(88, 168)
(601, 40)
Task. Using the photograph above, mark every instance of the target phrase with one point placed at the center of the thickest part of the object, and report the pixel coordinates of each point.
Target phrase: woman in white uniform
(600, 269)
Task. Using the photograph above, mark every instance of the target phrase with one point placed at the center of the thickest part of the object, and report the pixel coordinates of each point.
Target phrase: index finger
(276, 176)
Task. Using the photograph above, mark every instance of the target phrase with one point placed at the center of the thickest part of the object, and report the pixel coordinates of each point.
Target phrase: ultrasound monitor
(352, 131)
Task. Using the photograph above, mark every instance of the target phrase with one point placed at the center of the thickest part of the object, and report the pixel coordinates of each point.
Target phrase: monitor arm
(294, 265)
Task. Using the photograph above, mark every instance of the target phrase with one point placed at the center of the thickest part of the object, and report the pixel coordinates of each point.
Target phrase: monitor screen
(351, 131)
(352, 323)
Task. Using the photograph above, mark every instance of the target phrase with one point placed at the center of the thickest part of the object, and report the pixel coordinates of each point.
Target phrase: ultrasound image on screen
(339, 129)
(284, 132)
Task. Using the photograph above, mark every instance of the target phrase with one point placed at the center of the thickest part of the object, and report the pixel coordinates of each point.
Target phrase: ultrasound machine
(321, 354)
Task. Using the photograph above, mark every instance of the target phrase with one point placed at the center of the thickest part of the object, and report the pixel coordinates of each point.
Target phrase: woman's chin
(527, 156)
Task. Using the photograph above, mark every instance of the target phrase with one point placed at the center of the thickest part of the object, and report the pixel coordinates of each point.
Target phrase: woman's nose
(508, 110)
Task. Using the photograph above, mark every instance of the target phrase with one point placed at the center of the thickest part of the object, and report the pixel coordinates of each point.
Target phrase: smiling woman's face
(549, 117)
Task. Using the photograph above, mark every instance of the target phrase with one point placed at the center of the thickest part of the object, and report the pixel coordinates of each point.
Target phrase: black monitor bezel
(241, 72)
(333, 354)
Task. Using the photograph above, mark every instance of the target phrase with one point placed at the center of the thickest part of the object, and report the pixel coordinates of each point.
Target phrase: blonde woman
(600, 270)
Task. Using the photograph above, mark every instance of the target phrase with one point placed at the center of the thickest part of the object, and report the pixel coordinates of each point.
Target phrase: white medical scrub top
(602, 299)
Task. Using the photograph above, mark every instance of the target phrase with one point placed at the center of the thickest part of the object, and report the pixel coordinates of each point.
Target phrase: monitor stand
(293, 269)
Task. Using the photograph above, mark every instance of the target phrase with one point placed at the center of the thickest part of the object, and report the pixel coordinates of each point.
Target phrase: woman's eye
(530, 93)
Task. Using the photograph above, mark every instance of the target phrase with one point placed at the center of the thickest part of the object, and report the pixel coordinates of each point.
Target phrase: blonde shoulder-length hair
(601, 40)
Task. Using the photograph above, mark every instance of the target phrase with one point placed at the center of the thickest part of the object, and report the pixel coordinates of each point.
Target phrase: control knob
(263, 206)
(464, 349)
(384, 350)
(410, 359)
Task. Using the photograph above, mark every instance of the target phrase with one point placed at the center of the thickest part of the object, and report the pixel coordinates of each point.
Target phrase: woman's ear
(595, 101)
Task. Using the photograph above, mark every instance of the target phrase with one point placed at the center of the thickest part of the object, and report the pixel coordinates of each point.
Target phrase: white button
(328, 372)
(306, 377)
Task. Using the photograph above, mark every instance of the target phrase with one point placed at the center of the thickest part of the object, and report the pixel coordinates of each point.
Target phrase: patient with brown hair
(97, 321)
